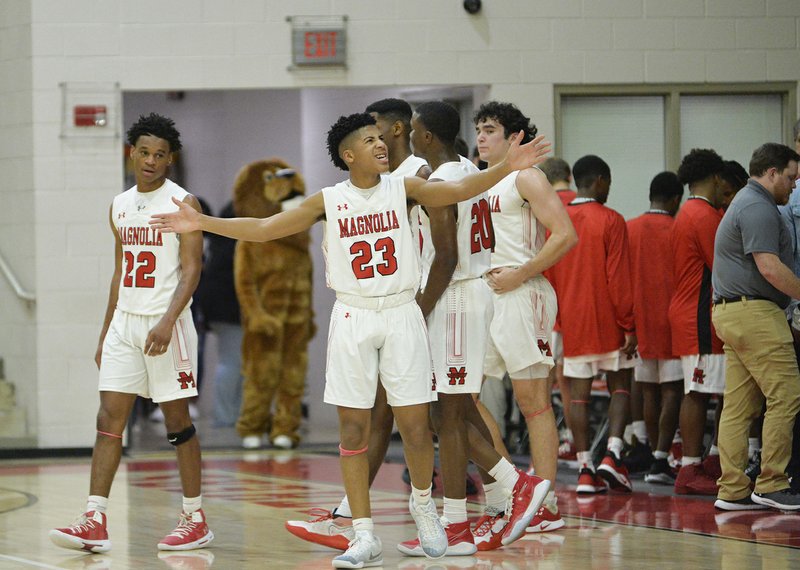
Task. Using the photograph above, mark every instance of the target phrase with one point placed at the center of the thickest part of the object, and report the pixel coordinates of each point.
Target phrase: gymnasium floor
(248, 496)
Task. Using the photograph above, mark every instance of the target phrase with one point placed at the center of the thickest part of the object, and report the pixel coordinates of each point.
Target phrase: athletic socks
(455, 510)
(193, 504)
(96, 503)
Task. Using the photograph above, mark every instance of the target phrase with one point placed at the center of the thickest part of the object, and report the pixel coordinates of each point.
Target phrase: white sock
(97, 503)
(496, 496)
(753, 446)
(551, 500)
(363, 525)
(689, 460)
(585, 459)
(343, 510)
(505, 473)
(421, 496)
(660, 454)
(627, 435)
(615, 445)
(714, 450)
(455, 510)
(193, 504)
(640, 431)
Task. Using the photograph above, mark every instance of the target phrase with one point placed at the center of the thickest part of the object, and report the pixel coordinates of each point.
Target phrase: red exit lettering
(320, 45)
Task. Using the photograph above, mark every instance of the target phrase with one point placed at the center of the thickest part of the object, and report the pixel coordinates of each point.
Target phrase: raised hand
(185, 220)
(523, 156)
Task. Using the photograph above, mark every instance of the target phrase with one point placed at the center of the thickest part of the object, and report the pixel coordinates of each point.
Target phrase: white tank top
(368, 246)
(151, 265)
(409, 167)
(473, 231)
(519, 235)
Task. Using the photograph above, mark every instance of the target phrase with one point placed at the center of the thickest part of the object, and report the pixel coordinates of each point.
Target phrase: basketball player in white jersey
(376, 329)
(148, 344)
(524, 207)
(334, 528)
(458, 305)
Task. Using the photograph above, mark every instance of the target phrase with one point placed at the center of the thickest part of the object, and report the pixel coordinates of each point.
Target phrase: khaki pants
(760, 366)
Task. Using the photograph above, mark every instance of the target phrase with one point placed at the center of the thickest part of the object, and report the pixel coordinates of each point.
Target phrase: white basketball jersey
(369, 249)
(473, 231)
(151, 265)
(518, 234)
(409, 167)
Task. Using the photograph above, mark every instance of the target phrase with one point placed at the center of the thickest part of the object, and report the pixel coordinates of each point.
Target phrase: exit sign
(318, 41)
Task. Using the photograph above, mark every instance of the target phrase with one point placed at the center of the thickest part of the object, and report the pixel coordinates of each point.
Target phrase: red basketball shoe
(192, 532)
(459, 541)
(488, 531)
(87, 533)
(325, 528)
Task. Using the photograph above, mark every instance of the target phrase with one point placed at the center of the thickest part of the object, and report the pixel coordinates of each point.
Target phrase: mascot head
(261, 186)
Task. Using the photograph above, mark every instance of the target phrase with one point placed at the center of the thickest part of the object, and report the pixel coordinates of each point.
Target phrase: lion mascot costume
(273, 284)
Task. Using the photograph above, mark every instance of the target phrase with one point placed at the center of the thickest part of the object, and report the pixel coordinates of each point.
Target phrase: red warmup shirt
(651, 269)
(566, 196)
(593, 282)
(692, 241)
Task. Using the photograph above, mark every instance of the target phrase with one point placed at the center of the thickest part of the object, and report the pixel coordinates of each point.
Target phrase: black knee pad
(182, 436)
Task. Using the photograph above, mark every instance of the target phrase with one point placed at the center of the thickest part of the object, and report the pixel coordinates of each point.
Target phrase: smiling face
(491, 141)
(366, 150)
(151, 158)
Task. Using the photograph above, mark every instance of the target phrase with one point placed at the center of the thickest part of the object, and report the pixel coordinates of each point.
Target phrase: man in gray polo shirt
(753, 283)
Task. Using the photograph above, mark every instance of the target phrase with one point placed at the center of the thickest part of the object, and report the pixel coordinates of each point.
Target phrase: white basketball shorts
(366, 343)
(519, 335)
(658, 371)
(590, 365)
(704, 373)
(458, 328)
(124, 367)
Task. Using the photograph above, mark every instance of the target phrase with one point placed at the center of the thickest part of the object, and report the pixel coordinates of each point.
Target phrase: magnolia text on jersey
(140, 236)
(369, 224)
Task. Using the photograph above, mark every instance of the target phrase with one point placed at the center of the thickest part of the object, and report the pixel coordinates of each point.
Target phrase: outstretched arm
(546, 207)
(441, 193)
(283, 224)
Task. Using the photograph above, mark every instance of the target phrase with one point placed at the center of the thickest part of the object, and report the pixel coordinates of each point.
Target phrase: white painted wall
(57, 229)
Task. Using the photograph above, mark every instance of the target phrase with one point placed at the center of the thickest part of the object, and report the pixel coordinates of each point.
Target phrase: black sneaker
(785, 500)
(753, 469)
(639, 458)
(660, 473)
(743, 504)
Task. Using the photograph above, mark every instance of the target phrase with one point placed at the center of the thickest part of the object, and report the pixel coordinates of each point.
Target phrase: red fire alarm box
(90, 115)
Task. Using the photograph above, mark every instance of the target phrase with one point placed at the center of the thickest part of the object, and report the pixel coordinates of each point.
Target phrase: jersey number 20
(363, 251)
(482, 231)
(144, 265)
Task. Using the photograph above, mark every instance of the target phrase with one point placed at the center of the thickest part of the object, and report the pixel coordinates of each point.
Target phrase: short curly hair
(508, 115)
(699, 164)
(157, 126)
(441, 119)
(341, 129)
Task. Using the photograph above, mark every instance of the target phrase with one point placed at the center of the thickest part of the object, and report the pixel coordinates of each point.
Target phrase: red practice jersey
(566, 196)
(692, 242)
(651, 268)
(593, 282)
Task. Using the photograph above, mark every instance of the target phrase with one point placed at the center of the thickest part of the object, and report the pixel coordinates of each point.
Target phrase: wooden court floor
(248, 496)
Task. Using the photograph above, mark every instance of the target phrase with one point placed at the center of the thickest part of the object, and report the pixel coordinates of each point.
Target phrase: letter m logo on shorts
(699, 376)
(457, 376)
(544, 348)
(186, 379)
